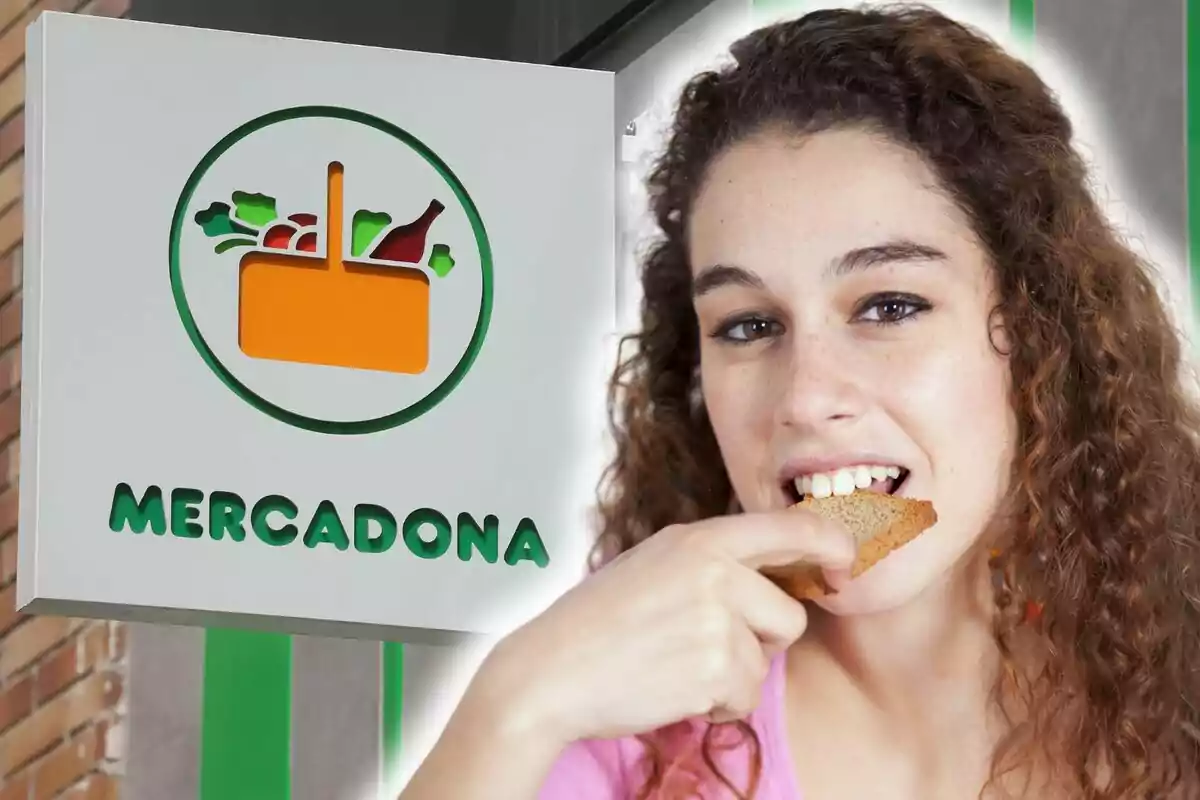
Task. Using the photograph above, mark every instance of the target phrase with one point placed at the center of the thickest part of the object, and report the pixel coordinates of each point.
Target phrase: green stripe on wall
(1022, 19)
(393, 704)
(777, 5)
(1192, 154)
(245, 750)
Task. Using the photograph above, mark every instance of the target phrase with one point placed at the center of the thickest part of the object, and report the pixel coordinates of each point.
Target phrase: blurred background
(95, 710)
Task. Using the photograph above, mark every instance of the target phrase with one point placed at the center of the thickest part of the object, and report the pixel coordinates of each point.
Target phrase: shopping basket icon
(332, 311)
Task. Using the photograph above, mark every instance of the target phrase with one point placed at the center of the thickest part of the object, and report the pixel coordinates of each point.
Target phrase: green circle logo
(331, 270)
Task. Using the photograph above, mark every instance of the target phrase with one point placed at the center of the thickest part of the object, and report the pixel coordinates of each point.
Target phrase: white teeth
(843, 481)
(862, 477)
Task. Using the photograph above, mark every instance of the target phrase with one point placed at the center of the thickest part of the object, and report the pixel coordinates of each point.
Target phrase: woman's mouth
(885, 479)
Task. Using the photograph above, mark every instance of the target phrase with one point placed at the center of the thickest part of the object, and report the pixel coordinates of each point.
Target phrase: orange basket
(328, 311)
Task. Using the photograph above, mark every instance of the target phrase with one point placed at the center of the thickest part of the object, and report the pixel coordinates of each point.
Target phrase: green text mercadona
(426, 532)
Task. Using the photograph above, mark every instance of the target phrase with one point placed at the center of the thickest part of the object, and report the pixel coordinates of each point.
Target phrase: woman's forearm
(489, 749)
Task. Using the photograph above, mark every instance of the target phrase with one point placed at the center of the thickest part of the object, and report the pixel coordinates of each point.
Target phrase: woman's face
(844, 308)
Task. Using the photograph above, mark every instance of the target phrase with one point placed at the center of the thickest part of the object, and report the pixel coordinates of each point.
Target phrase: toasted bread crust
(861, 513)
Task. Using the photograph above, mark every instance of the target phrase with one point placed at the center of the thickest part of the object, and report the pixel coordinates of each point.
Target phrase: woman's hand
(681, 626)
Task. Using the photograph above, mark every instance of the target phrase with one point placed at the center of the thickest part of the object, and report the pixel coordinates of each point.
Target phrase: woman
(878, 250)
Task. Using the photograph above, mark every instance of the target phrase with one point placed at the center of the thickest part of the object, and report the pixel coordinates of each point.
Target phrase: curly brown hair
(1100, 524)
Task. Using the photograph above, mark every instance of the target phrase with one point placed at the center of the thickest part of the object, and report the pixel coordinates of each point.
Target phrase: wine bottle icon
(340, 312)
(406, 244)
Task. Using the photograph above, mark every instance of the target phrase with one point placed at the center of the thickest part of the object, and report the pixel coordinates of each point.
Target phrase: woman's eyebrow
(718, 275)
(890, 252)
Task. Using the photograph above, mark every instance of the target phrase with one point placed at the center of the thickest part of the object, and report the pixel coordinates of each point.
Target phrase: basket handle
(335, 205)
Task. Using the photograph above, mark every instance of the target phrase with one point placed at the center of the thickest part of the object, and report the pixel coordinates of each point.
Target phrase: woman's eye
(891, 309)
(746, 330)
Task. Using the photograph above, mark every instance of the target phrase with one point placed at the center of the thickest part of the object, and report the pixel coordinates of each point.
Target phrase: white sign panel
(315, 334)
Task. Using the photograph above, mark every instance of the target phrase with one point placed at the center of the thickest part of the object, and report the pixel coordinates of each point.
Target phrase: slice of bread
(880, 524)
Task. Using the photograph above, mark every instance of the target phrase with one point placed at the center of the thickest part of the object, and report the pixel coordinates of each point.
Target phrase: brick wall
(61, 680)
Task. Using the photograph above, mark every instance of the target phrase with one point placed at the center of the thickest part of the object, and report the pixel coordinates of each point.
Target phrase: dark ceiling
(540, 31)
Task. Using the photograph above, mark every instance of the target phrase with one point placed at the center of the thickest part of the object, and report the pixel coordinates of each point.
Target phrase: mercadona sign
(314, 334)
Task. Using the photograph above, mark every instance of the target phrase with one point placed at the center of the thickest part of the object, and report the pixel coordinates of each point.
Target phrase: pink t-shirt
(603, 769)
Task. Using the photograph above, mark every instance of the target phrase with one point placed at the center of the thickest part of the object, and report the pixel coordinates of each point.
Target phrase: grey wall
(1132, 55)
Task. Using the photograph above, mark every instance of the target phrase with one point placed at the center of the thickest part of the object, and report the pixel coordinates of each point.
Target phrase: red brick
(12, 90)
(10, 369)
(42, 730)
(69, 762)
(8, 558)
(12, 179)
(10, 10)
(16, 702)
(12, 228)
(32, 638)
(18, 260)
(97, 786)
(10, 415)
(10, 269)
(12, 137)
(12, 463)
(100, 644)
(8, 611)
(59, 669)
(9, 499)
(12, 42)
(11, 361)
(10, 320)
(16, 789)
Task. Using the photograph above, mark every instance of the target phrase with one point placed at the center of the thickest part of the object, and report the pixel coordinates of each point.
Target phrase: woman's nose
(818, 386)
